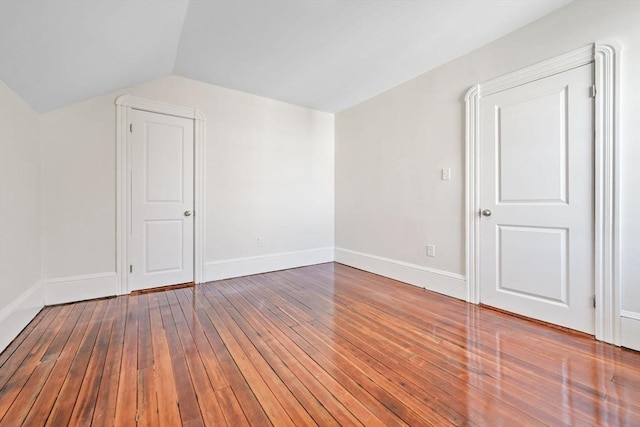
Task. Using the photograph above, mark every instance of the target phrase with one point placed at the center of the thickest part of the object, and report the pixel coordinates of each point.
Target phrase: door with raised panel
(162, 189)
(537, 199)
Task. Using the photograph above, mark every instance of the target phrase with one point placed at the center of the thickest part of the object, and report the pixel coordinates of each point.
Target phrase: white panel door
(161, 246)
(536, 194)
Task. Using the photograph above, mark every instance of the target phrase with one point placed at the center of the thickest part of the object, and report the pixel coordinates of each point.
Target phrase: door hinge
(130, 268)
(594, 301)
(130, 127)
(593, 91)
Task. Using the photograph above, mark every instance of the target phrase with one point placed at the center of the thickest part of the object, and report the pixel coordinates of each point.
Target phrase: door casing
(125, 105)
(606, 58)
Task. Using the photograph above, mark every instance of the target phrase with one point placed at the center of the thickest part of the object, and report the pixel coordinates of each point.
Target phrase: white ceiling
(323, 54)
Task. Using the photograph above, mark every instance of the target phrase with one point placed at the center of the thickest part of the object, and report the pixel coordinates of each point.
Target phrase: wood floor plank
(522, 369)
(360, 367)
(243, 406)
(319, 345)
(166, 394)
(61, 352)
(206, 350)
(334, 398)
(519, 360)
(104, 412)
(126, 398)
(147, 401)
(311, 409)
(69, 393)
(405, 406)
(85, 404)
(187, 401)
(18, 341)
(208, 366)
(434, 368)
(346, 322)
(391, 332)
(32, 337)
(18, 395)
(22, 388)
(206, 397)
(345, 388)
(264, 394)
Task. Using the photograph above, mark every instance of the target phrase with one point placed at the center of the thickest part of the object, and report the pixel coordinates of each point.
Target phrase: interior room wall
(19, 214)
(269, 181)
(19, 196)
(390, 200)
(270, 173)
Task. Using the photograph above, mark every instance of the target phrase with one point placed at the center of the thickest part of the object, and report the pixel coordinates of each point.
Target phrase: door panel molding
(125, 105)
(606, 57)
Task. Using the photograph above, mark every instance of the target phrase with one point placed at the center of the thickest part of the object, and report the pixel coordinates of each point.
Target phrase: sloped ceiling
(323, 54)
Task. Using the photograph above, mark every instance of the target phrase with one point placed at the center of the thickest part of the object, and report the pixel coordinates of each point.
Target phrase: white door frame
(125, 104)
(606, 57)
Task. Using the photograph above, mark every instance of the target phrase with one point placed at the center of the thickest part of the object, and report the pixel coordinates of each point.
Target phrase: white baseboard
(443, 282)
(238, 267)
(15, 316)
(78, 288)
(630, 329)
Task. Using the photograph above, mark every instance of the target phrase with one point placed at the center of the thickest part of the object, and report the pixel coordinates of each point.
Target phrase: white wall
(270, 172)
(269, 176)
(390, 201)
(19, 214)
(78, 189)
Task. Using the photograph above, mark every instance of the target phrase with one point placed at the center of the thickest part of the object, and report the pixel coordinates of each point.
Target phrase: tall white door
(161, 246)
(537, 200)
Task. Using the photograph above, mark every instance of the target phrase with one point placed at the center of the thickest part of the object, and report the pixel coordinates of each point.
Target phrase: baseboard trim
(630, 329)
(238, 267)
(443, 282)
(18, 313)
(62, 290)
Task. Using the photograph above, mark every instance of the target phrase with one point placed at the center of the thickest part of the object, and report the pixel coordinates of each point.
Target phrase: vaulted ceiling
(323, 54)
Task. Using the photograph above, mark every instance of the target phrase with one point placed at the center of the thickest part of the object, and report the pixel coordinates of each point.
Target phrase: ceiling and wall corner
(324, 55)
(57, 53)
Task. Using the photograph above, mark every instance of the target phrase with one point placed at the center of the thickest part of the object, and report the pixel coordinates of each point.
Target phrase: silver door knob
(485, 212)
(187, 213)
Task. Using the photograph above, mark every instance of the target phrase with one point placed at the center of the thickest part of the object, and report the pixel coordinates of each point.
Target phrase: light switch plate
(431, 250)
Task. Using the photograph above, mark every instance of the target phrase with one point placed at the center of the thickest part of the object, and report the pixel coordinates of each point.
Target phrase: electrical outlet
(446, 174)
(431, 250)
(259, 242)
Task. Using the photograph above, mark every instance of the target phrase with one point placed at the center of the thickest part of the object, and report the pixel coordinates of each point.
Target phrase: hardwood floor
(321, 345)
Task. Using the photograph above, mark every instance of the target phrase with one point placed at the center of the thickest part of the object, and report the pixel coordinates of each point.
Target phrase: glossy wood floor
(322, 345)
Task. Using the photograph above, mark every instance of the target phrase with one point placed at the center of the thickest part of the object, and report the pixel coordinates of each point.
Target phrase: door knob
(187, 213)
(486, 212)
